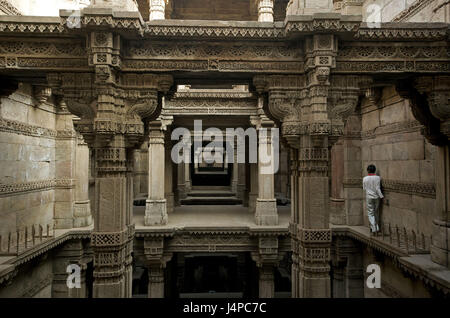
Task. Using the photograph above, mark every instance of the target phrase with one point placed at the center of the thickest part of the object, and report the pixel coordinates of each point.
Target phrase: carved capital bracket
(267, 254)
(429, 102)
(154, 252)
(109, 103)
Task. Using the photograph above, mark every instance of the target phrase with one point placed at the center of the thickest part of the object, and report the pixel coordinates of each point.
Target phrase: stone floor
(212, 216)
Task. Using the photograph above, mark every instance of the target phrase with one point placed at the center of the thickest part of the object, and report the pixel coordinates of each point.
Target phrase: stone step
(211, 201)
(211, 194)
(211, 188)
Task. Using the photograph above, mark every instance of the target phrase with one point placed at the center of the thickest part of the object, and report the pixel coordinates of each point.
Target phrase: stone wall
(33, 280)
(391, 140)
(40, 153)
(394, 283)
(406, 10)
(27, 161)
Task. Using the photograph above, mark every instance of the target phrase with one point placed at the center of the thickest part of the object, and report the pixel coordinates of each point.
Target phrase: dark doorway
(210, 174)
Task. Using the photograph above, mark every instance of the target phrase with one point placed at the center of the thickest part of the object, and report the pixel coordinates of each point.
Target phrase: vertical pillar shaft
(65, 153)
(266, 282)
(441, 225)
(155, 282)
(266, 204)
(265, 11)
(314, 235)
(157, 9)
(82, 206)
(111, 236)
(168, 182)
(156, 206)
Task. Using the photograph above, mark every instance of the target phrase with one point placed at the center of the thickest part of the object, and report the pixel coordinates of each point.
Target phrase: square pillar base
(266, 212)
(156, 212)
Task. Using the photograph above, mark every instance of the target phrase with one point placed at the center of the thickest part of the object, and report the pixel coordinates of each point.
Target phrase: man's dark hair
(371, 169)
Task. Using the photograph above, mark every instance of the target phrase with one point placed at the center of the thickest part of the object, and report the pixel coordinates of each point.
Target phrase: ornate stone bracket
(421, 99)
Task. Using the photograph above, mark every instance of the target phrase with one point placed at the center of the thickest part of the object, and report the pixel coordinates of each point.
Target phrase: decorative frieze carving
(399, 186)
(17, 127)
(401, 127)
(41, 185)
(414, 188)
(198, 50)
(402, 32)
(59, 48)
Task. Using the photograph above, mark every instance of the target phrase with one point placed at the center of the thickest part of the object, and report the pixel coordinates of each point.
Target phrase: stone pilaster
(157, 261)
(265, 10)
(82, 206)
(348, 269)
(266, 259)
(168, 175)
(65, 152)
(157, 9)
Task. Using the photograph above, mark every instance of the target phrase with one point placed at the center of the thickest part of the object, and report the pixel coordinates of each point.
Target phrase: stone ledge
(418, 265)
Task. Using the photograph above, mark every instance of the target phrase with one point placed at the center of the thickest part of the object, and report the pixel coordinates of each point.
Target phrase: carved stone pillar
(265, 10)
(156, 206)
(111, 115)
(157, 261)
(266, 259)
(312, 110)
(337, 201)
(82, 207)
(157, 9)
(266, 205)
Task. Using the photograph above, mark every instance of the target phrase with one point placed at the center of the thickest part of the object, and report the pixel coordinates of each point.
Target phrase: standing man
(371, 184)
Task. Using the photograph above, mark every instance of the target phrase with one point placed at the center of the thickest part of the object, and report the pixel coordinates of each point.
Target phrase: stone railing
(410, 241)
(16, 243)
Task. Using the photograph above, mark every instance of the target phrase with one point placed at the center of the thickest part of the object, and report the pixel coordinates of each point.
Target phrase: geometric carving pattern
(315, 235)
